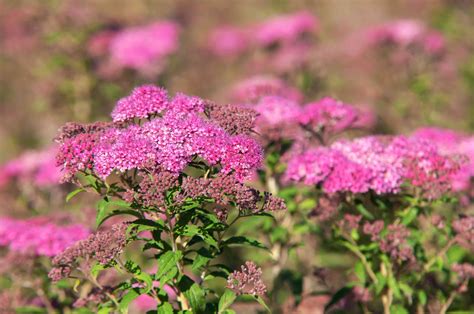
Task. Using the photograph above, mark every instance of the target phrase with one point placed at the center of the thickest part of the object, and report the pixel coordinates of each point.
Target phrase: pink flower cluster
(330, 115)
(452, 143)
(37, 167)
(39, 235)
(177, 132)
(380, 164)
(288, 32)
(407, 33)
(252, 89)
(143, 46)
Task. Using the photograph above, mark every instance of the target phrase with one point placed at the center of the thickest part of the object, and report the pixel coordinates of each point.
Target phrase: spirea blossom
(228, 41)
(252, 89)
(328, 114)
(185, 128)
(286, 28)
(103, 246)
(407, 33)
(143, 46)
(225, 191)
(37, 167)
(374, 163)
(247, 281)
(39, 236)
(143, 102)
(451, 143)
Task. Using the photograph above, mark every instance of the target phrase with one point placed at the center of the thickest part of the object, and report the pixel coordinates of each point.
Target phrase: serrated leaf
(74, 193)
(127, 299)
(202, 257)
(164, 308)
(166, 262)
(196, 298)
(226, 300)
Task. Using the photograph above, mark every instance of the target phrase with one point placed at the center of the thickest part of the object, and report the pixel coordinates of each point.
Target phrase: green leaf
(202, 257)
(398, 309)
(192, 231)
(409, 216)
(166, 262)
(101, 212)
(262, 303)
(30, 310)
(74, 193)
(455, 254)
(127, 299)
(96, 269)
(240, 240)
(226, 300)
(381, 282)
(339, 295)
(422, 297)
(164, 308)
(406, 289)
(363, 211)
(117, 212)
(196, 298)
(359, 270)
(140, 275)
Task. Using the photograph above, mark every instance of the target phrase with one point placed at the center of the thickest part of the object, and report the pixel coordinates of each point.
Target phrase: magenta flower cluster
(39, 235)
(284, 30)
(380, 164)
(450, 142)
(177, 132)
(407, 33)
(143, 46)
(254, 88)
(38, 167)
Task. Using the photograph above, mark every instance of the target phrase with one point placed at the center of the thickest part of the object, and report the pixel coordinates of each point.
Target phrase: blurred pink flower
(228, 41)
(286, 28)
(406, 33)
(143, 46)
(39, 236)
(36, 167)
(252, 89)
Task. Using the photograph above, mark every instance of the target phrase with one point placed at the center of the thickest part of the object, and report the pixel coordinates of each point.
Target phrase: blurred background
(51, 72)
(408, 63)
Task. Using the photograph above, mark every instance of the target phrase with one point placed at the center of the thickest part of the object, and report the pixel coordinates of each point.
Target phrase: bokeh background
(48, 77)
(55, 67)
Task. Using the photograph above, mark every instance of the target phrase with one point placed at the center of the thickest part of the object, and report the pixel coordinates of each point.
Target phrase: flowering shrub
(178, 168)
(316, 190)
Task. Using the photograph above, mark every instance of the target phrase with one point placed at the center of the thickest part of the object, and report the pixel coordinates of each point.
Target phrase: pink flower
(286, 28)
(451, 143)
(328, 114)
(275, 110)
(39, 235)
(38, 167)
(143, 46)
(228, 41)
(374, 163)
(406, 33)
(143, 102)
(252, 89)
